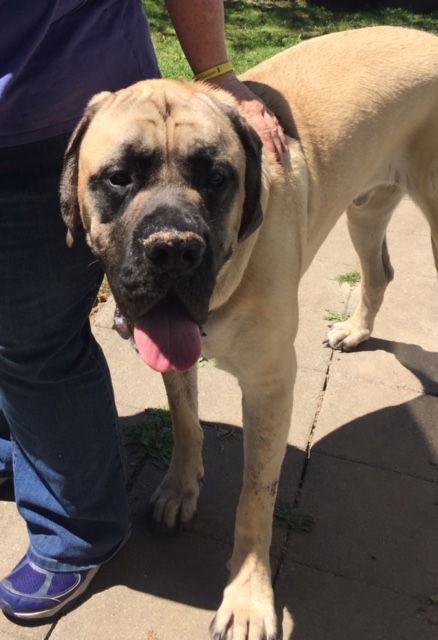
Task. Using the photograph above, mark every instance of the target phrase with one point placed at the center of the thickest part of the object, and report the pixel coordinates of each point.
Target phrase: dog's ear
(68, 188)
(252, 215)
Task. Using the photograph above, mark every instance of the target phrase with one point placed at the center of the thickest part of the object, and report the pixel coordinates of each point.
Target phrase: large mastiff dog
(204, 238)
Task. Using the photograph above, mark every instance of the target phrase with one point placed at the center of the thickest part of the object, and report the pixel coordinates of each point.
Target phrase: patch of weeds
(224, 433)
(102, 296)
(203, 361)
(336, 316)
(152, 438)
(351, 277)
(432, 601)
(293, 518)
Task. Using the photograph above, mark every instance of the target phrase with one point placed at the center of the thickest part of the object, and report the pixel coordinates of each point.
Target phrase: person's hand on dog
(200, 27)
(256, 112)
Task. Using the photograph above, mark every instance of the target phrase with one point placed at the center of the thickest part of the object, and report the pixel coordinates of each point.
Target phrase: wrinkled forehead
(171, 119)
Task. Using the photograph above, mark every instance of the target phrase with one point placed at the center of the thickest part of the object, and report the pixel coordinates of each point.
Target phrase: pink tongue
(167, 338)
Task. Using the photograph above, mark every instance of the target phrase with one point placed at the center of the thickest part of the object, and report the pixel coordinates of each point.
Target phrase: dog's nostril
(174, 252)
(159, 254)
(190, 256)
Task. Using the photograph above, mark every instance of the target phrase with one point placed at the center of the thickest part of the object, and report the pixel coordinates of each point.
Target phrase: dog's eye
(120, 179)
(216, 178)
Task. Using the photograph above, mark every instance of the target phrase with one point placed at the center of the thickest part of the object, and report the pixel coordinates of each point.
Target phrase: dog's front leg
(247, 611)
(173, 503)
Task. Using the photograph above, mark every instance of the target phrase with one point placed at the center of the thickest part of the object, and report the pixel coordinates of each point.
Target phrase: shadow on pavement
(423, 364)
(372, 488)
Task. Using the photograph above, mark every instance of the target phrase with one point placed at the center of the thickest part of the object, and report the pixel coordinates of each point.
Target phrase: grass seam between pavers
(288, 532)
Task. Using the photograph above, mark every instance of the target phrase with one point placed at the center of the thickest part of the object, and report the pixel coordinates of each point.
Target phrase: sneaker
(30, 592)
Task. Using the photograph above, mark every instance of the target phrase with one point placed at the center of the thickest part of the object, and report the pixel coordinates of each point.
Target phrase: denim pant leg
(55, 389)
(5, 448)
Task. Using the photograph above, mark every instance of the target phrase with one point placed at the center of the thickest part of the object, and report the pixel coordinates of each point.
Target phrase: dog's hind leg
(423, 185)
(174, 502)
(428, 203)
(368, 218)
(429, 207)
(434, 239)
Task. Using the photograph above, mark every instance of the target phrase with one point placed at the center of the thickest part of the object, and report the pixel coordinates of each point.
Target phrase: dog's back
(364, 105)
(342, 76)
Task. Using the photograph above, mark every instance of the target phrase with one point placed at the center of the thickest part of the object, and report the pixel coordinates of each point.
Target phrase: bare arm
(199, 25)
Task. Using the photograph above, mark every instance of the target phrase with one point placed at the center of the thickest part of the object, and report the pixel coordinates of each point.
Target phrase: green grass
(257, 29)
(203, 361)
(152, 438)
(351, 277)
(336, 316)
(433, 600)
(293, 518)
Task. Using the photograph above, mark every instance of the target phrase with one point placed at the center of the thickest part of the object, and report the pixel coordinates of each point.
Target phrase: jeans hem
(50, 564)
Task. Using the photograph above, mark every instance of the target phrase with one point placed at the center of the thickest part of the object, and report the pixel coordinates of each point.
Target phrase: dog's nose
(174, 252)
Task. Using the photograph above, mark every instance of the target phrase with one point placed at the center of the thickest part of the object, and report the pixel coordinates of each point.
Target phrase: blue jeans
(58, 423)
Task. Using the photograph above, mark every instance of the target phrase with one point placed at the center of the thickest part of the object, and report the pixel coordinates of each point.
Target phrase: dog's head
(164, 178)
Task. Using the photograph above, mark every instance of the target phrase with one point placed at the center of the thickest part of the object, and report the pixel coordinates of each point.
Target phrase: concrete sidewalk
(362, 461)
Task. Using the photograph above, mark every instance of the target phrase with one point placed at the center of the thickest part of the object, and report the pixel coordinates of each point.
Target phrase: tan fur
(361, 110)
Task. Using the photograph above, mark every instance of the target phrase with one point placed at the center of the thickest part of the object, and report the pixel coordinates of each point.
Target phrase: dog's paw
(173, 504)
(346, 336)
(247, 611)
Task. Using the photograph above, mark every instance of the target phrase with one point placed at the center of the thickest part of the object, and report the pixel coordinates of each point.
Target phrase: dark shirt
(56, 54)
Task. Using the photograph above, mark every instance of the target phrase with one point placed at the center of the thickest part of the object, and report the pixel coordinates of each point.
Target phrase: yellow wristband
(216, 71)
